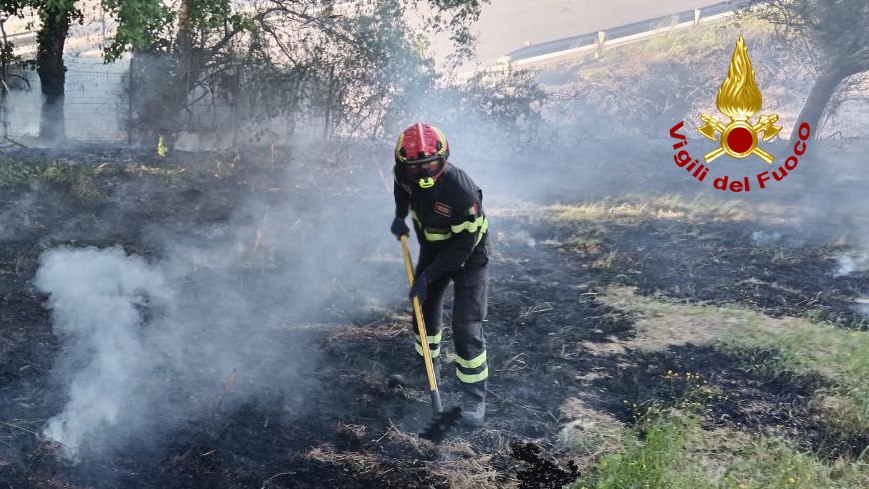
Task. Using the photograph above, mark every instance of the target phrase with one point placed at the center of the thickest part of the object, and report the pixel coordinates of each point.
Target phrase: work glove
(399, 228)
(418, 289)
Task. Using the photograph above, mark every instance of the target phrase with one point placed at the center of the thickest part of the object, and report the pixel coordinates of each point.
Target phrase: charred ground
(552, 343)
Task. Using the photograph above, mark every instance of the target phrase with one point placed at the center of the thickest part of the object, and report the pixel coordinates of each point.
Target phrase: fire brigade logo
(739, 99)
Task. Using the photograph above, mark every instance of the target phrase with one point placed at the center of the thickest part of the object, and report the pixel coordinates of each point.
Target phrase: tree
(7, 58)
(283, 41)
(55, 16)
(172, 48)
(8, 10)
(836, 33)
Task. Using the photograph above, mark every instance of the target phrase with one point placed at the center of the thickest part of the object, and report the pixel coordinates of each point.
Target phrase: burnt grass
(347, 426)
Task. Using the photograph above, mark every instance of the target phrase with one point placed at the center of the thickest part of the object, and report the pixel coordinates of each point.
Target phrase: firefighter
(446, 208)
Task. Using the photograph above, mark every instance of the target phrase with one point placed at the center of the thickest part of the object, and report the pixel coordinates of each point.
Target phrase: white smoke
(851, 262)
(97, 298)
(766, 238)
(147, 344)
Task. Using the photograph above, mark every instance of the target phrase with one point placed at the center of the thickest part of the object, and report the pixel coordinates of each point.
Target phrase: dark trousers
(469, 310)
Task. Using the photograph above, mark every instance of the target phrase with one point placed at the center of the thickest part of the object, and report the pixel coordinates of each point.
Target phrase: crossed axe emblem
(739, 138)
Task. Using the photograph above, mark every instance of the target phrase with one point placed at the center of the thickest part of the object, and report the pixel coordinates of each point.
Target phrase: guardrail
(558, 50)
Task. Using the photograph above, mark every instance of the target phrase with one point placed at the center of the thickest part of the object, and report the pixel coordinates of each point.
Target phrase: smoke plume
(98, 299)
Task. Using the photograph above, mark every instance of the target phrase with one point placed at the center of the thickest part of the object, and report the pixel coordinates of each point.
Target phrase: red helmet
(421, 154)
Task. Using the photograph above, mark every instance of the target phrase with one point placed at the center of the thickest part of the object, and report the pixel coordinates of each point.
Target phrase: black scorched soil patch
(776, 270)
(346, 426)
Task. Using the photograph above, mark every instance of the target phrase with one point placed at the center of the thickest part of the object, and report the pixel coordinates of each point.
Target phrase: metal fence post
(129, 123)
(601, 38)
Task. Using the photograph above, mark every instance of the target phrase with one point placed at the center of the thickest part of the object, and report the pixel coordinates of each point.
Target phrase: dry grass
(589, 435)
(162, 171)
(687, 45)
(662, 324)
(690, 47)
(456, 461)
(410, 441)
(360, 462)
(392, 326)
(462, 468)
(636, 208)
(676, 75)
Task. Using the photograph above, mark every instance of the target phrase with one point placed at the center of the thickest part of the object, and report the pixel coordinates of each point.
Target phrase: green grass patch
(801, 346)
(670, 451)
(769, 346)
(640, 463)
(87, 182)
(79, 180)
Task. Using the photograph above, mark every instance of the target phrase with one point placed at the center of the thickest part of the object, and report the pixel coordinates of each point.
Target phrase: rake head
(441, 424)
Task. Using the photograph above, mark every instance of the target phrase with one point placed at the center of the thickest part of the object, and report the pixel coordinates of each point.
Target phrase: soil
(723, 263)
(353, 428)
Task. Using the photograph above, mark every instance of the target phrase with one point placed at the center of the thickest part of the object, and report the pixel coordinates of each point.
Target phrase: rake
(442, 421)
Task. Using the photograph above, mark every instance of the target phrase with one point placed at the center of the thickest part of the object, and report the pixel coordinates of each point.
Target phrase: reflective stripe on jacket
(448, 217)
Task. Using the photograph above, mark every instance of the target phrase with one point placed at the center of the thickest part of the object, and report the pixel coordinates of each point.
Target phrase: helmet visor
(422, 170)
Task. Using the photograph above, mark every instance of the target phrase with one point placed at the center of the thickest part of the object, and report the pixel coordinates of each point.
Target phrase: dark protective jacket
(448, 219)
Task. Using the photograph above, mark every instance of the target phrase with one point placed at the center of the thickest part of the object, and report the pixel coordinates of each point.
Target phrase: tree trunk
(184, 43)
(52, 72)
(821, 94)
(178, 87)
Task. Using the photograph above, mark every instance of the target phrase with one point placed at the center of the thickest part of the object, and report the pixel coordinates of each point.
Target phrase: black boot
(473, 410)
(473, 404)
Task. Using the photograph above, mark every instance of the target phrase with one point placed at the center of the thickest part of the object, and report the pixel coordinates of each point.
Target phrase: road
(506, 25)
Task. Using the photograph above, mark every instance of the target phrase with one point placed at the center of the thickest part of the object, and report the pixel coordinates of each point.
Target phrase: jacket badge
(443, 209)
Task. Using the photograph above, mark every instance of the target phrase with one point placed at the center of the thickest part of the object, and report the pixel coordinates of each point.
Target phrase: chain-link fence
(96, 104)
(129, 102)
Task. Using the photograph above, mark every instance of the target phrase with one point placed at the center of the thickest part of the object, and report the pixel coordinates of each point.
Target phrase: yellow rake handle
(420, 323)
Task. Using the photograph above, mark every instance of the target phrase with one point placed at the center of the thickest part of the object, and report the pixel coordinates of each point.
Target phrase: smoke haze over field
(147, 343)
